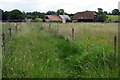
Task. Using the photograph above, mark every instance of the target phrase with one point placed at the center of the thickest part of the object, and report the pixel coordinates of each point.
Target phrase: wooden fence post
(16, 23)
(72, 33)
(16, 28)
(3, 41)
(10, 31)
(49, 26)
(115, 46)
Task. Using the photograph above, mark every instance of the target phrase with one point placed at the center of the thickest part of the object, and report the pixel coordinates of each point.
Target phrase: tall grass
(37, 52)
(89, 59)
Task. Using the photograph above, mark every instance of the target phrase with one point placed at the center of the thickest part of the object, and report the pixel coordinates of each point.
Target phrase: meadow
(47, 50)
(113, 18)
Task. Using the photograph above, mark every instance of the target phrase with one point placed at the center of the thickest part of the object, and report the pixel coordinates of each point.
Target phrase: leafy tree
(105, 12)
(30, 17)
(24, 14)
(60, 12)
(115, 12)
(102, 16)
(51, 13)
(35, 14)
(100, 10)
(5, 15)
(16, 14)
(42, 15)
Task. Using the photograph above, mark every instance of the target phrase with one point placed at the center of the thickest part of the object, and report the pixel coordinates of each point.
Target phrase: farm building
(65, 18)
(86, 16)
(52, 18)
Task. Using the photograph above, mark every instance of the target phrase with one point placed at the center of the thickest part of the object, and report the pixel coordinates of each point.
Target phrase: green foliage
(34, 52)
(115, 12)
(5, 15)
(51, 13)
(30, 17)
(112, 18)
(102, 16)
(60, 11)
(38, 20)
(100, 10)
(16, 14)
(67, 49)
(36, 14)
(88, 59)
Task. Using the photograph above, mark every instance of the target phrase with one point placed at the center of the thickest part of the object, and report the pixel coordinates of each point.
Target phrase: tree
(35, 14)
(42, 15)
(60, 12)
(100, 10)
(102, 17)
(5, 15)
(115, 12)
(30, 17)
(51, 13)
(105, 12)
(16, 14)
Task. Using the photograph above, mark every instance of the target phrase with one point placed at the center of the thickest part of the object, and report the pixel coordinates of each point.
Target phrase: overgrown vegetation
(38, 52)
(113, 18)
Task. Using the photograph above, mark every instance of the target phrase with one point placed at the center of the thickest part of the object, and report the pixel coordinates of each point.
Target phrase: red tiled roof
(84, 15)
(54, 18)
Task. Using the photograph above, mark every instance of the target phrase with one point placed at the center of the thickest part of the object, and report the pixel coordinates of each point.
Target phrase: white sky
(70, 6)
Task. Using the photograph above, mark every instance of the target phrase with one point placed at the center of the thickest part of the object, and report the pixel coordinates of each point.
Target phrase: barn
(65, 18)
(52, 18)
(86, 16)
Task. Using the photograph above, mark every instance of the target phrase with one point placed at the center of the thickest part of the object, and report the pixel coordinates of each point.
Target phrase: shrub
(38, 20)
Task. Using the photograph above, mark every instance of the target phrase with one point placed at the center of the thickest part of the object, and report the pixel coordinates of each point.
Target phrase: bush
(102, 16)
(38, 20)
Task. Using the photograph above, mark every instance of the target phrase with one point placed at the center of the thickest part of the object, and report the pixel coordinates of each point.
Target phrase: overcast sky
(70, 6)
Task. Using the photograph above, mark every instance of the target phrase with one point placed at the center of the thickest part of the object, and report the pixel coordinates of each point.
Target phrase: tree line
(17, 14)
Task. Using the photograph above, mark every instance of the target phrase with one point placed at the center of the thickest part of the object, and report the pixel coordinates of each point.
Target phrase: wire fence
(8, 34)
(48, 27)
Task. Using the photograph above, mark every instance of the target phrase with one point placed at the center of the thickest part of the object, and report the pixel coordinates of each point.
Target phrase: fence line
(73, 34)
(73, 37)
(115, 46)
(3, 35)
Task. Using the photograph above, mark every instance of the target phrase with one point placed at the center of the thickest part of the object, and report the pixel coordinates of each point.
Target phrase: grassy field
(113, 18)
(6, 26)
(42, 51)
